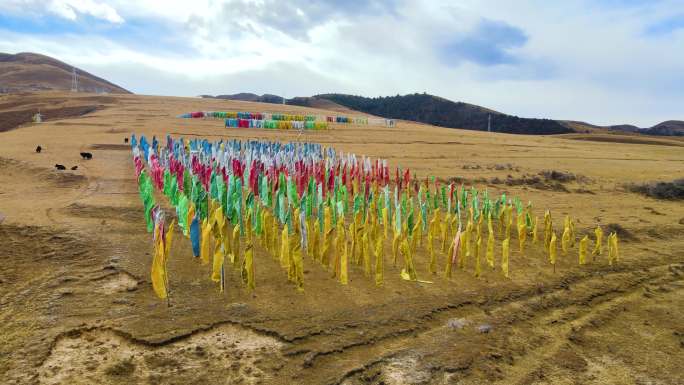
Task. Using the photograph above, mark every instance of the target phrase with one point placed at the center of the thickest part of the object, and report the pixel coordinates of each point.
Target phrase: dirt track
(76, 304)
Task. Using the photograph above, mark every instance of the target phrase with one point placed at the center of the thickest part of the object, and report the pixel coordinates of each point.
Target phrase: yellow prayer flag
(409, 271)
(385, 220)
(599, 239)
(509, 220)
(365, 248)
(226, 242)
(443, 227)
(353, 241)
(462, 248)
(613, 255)
(490, 248)
(418, 230)
(340, 241)
(449, 260)
(379, 259)
(296, 271)
(235, 249)
(490, 228)
(552, 250)
(217, 264)
(431, 250)
(265, 229)
(505, 254)
(395, 247)
(162, 249)
(344, 264)
(583, 250)
(205, 242)
(522, 236)
(189, 218)
(327, 219)
(248, 223)
(315, 241)
(572, 233)
(248, 266)
(217, 220)
(548, 229)
(435, 223)
(169, 238)
(158, 271)
(565, 240)
(478, 246)
(308, 224)
(284, 248)
(327, 243)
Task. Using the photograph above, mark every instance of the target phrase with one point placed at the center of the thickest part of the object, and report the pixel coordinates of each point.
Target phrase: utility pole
(74, 80)
(489, 123)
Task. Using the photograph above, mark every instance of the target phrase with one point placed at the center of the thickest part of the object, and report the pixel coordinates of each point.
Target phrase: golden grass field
(77, 307)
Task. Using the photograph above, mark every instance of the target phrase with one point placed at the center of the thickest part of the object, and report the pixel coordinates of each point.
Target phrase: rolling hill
(320, 103)
(248, 97)
(303, 101)
(442, 112)
(28, 72)
(668, 128)
(430, 109)
(421, 108)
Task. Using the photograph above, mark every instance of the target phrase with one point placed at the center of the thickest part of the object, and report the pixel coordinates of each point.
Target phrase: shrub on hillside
(660, 190)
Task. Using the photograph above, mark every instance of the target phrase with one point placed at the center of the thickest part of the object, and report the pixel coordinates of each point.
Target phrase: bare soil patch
(626, 139)
(108, 212)
(10, 120)
(111, 146)
(102, 356)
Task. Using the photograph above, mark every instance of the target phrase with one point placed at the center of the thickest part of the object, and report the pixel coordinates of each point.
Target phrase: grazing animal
(86, 155)
(60, 167)
(74, 168)
(126, 140)
(39, 149)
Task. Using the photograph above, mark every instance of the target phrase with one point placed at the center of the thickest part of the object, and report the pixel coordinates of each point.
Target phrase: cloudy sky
(602, 61)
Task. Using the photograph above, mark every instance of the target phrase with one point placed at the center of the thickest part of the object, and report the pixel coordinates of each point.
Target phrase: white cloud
(582, 59)
(67, 9)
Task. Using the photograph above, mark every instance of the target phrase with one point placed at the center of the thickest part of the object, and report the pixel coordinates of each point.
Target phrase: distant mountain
(669, 128)
(34, 72)
(320, 103)
(304, 101)
(624, 127)
(249, 97)
(438, 111)
(583, 127)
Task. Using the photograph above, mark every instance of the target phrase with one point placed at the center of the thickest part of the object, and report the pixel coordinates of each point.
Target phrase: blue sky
(602, 61)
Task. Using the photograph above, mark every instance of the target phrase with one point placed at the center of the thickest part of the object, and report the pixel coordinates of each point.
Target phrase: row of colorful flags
(297, 199)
